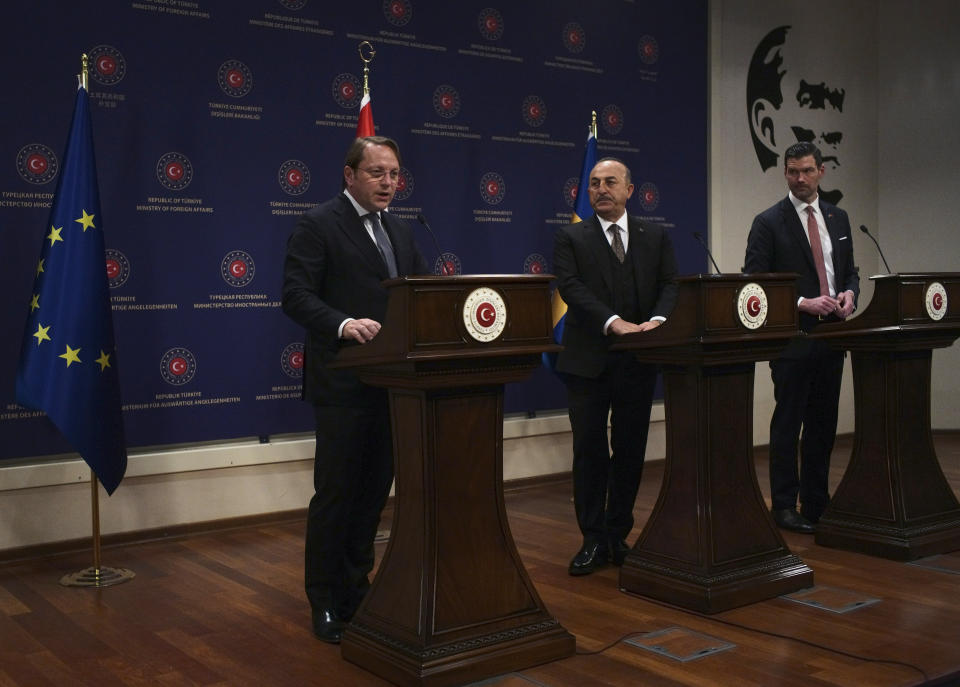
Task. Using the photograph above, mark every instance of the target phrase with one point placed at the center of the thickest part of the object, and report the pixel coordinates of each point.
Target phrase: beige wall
(919, 123)
(900, 67)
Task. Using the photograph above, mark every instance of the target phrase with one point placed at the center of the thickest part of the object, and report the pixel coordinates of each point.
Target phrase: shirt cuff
(342, 325)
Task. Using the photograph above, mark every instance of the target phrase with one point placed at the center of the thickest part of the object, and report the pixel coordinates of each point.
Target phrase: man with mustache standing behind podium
(805, 234)
(338, 255)
(617, 276)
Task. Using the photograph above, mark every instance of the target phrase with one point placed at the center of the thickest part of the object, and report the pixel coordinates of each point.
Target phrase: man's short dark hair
(355, 152)
(618, 161)
(802, 149)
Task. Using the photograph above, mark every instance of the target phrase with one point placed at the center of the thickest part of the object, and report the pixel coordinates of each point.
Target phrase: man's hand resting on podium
(620, 326)
(362, 330)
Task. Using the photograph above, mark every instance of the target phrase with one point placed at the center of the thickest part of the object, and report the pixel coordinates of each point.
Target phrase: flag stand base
(97, 577)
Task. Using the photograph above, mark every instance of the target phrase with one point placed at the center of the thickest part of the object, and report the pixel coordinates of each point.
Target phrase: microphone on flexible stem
(709, 254)
(423, 221)
(864, 230)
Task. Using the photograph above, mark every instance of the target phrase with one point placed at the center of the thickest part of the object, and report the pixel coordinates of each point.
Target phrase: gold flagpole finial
(84, 63)
(593, 123)
(366, 59)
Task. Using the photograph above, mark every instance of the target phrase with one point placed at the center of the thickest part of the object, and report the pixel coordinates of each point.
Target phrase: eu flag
(581, 211)
(68, 364)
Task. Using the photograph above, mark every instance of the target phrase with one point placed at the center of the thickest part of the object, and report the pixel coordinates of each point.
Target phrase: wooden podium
(710, 543)
(451, 601)
(894, 500)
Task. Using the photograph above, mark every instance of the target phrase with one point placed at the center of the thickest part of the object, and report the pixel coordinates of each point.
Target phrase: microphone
(864, 230)
(709, 254)
(423, 221)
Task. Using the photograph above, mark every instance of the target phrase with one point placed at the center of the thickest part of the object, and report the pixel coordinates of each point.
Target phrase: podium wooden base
(894, 501)
(452, 602)
(711, 543)
(896, 542)
(456, 664)
(716, 591)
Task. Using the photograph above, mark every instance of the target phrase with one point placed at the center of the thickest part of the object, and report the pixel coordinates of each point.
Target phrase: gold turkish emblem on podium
(935, 300)
(484, 314)
(752, 305)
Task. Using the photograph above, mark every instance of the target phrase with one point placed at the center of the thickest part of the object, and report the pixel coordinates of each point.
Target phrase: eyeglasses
(377, 174)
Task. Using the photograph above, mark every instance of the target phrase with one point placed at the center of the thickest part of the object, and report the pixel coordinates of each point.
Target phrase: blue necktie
(383, 245)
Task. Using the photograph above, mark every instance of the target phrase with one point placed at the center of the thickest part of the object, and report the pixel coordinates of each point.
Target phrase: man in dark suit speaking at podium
(617, 276)
(337, 257)
(805, 234)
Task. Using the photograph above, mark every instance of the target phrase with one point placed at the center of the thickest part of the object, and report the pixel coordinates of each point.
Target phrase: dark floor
(227, 608)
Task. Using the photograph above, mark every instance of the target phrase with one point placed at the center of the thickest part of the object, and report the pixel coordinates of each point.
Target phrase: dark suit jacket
(778, 243)
(334, 271)
(581, 261)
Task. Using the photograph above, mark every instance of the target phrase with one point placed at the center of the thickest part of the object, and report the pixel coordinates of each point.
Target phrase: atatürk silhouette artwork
(779, 102)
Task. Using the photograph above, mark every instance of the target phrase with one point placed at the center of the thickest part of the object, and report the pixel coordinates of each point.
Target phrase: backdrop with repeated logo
(218, 123)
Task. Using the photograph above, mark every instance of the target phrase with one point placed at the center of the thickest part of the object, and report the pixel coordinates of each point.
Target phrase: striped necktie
(383, 244)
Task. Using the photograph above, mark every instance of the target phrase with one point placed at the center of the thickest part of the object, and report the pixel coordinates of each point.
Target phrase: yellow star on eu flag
(41, 333)
(103, 361)
(86, 220)
(35, 302)
(40, 267)
(54, 234)
(71, 356)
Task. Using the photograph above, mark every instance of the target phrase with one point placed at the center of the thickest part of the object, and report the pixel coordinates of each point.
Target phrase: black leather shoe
(811, 515)
(790, 519)
(590, 557)
(618, 551)
(327, 625)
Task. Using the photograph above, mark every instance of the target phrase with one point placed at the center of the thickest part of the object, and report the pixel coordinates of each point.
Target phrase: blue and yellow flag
(581, 211)
(68, 365)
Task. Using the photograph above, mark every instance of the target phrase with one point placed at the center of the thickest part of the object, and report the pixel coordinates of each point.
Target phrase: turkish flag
(365, 119)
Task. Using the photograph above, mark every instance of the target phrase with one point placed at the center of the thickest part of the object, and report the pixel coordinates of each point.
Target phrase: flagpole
(95, 520)
(96, 576)
(365, 125)
(382, 535)
(366, 64)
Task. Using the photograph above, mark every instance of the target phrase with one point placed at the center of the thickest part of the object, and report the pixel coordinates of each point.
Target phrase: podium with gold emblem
(894, 500)
(451, 601)
(710, 543)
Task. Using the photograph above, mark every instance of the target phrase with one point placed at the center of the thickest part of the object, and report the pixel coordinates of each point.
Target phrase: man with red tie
(805, 234)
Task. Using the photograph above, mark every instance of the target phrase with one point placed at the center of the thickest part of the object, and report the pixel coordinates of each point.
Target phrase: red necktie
(813, 231)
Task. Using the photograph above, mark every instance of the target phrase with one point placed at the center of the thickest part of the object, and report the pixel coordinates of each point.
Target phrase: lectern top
(469, 279)
(460, 318)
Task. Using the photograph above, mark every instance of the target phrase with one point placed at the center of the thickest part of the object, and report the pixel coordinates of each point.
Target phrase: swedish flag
(68, 363)
(581, 211)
